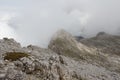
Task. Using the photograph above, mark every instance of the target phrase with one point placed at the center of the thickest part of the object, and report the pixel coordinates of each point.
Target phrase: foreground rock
(66, 59)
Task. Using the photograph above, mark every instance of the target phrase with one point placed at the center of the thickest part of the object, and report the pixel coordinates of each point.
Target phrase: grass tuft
(13, 56)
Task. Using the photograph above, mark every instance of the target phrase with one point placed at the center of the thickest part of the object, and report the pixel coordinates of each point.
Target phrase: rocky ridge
(95, 58)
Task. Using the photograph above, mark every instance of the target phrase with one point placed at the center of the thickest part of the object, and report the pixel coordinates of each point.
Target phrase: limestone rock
(63, 43)
(65, 59)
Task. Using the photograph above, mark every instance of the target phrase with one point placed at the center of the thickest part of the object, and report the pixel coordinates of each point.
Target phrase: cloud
(36, 21)
(5, 29)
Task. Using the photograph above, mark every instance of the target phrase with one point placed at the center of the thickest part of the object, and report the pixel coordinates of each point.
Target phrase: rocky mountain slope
(96, 58)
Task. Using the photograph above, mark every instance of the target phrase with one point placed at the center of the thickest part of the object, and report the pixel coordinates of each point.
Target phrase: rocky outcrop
(41, 64)
(64, 44)
(106, 43)
(65, 59)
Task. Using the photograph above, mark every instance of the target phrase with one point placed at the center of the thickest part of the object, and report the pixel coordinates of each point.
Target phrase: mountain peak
(61, 34)
(103, 34)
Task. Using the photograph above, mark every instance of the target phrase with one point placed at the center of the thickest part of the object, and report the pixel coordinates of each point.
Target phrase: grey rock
(65, 59)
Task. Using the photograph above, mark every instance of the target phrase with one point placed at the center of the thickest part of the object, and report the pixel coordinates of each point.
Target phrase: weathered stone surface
(66, 59)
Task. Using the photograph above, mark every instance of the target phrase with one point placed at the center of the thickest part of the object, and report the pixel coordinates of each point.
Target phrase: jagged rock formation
(108, 46)
(106, 43)
(96, 58)
(64, 44)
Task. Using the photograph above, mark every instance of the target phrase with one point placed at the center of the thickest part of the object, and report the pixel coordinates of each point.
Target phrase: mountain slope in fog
(66, 58)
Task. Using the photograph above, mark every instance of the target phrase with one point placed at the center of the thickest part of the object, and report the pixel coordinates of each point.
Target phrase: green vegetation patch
(13, 56)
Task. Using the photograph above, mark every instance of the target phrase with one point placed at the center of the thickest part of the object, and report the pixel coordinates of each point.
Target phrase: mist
(35, 21)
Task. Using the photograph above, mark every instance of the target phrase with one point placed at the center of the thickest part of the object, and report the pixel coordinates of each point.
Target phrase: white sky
(35, 21)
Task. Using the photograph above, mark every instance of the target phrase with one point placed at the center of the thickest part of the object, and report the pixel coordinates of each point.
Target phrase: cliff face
(96, 58)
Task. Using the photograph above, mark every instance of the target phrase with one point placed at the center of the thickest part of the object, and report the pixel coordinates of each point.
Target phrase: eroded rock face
(88, 50)
(64, 44)
(8, 71)
(66, 59)
(49, 69)
(9, 45)
(41, 64)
